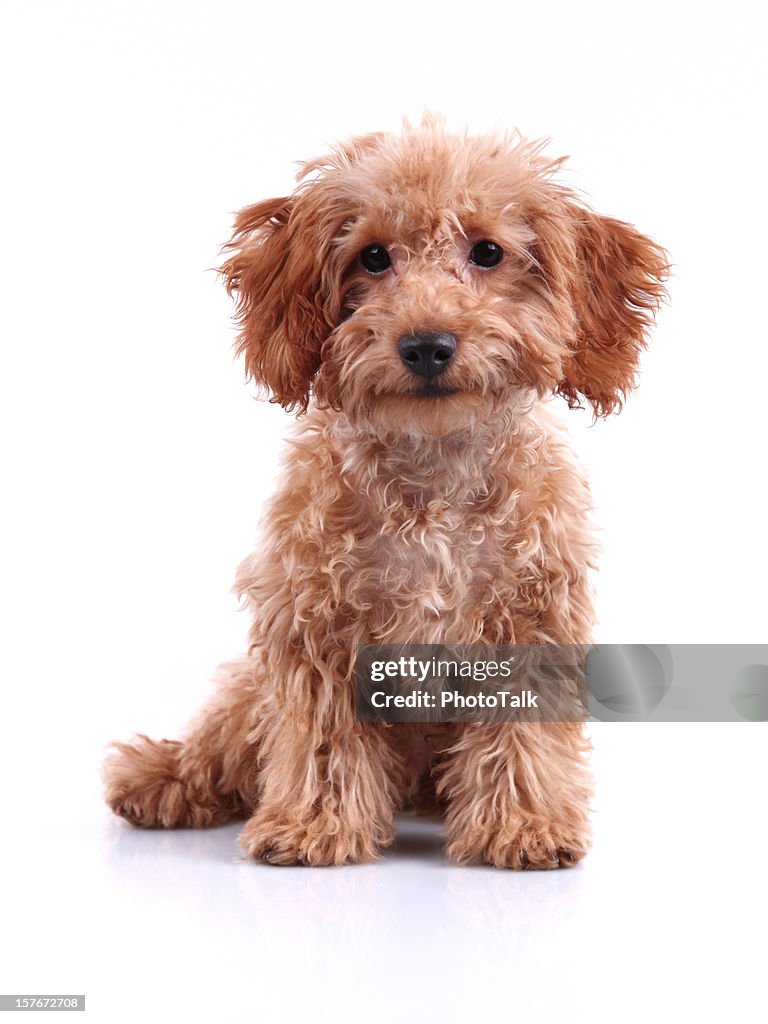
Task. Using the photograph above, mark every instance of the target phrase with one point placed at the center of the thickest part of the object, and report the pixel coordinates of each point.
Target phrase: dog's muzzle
(427, 355)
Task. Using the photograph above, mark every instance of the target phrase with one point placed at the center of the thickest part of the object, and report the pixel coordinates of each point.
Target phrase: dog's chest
(434, 573)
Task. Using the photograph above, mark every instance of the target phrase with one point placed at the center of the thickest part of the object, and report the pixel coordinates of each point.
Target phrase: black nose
(427, 355)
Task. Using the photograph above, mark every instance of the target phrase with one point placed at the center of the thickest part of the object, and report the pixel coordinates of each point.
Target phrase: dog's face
(422, 283)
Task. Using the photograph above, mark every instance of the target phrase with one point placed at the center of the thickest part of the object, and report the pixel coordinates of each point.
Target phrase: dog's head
(423, 282)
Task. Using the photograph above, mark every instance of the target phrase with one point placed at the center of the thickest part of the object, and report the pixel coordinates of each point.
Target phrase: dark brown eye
(375, 259)
(486, 254)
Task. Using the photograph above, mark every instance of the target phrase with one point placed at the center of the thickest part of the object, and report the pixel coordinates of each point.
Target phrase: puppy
(417, 300)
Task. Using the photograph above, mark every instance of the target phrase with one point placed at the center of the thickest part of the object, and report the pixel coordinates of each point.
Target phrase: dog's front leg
(328, 783)
(518, 795)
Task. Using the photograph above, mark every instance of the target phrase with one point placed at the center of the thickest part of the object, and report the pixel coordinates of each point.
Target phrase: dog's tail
(206, 779)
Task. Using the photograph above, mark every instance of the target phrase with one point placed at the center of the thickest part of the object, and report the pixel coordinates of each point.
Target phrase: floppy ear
(285, 291)
(616, 278)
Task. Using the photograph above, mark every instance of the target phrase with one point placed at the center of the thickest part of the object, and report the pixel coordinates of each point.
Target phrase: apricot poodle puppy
(418, 299)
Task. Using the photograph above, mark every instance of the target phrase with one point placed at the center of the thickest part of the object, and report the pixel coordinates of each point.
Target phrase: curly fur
(403, 517)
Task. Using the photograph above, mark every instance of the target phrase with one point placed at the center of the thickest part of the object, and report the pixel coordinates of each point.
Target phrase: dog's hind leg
(205, 779)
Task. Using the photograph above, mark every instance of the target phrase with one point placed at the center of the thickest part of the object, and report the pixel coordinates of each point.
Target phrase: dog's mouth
(434, 391)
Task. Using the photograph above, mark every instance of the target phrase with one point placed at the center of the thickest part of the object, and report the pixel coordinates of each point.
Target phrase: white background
(135, 463)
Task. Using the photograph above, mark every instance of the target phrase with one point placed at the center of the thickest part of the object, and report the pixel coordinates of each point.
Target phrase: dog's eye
(486, 254)
(375, 259)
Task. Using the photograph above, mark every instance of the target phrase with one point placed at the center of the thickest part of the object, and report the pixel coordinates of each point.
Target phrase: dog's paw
(143, 785)
(528, 846)
(322, 841)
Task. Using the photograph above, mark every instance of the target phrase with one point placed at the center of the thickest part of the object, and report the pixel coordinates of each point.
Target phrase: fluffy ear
(616, 278)
(280, 270)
